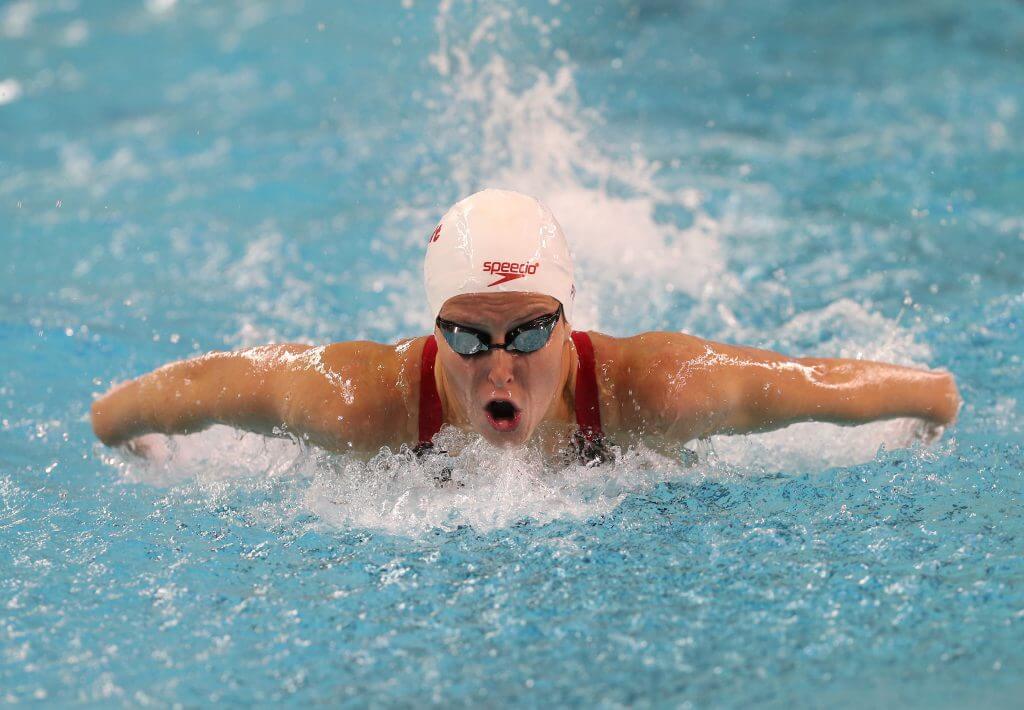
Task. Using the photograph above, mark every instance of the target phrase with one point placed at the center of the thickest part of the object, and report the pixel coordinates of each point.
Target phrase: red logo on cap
(509, 270)
(436, 235)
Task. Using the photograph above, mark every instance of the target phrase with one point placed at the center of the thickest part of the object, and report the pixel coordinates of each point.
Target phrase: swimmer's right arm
(336, 397)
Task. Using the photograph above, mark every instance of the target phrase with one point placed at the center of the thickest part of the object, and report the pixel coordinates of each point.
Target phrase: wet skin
(659, 388)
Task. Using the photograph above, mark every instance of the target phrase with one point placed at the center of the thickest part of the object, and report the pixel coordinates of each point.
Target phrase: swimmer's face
(505, 395)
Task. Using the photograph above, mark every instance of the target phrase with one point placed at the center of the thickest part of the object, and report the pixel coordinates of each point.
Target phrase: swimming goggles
(526, 338)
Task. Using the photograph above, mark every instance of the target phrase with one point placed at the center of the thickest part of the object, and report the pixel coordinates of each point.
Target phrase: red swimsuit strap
(430, 400)
(588, 410)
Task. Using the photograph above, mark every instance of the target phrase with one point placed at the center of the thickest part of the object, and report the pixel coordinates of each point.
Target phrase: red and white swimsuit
(588, 441)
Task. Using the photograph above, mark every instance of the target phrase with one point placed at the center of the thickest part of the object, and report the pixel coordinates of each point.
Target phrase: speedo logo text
(509, 270)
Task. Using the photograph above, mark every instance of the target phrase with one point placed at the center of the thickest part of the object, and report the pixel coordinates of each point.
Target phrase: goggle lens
(464, 342)
(532, 340)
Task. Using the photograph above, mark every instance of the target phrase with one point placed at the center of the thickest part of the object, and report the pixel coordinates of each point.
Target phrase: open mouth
(502, 414)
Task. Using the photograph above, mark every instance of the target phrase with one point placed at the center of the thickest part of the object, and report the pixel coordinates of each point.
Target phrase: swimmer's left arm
(699, 388)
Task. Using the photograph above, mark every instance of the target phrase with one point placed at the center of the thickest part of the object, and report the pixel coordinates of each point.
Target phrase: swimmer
(504, 362)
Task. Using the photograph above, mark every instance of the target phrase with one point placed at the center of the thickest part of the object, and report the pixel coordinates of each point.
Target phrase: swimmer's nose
(500, 363)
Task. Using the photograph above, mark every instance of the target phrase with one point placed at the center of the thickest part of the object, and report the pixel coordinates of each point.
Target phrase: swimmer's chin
(505, 439)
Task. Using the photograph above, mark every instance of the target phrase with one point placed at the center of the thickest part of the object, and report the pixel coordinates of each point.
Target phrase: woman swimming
(504, 362)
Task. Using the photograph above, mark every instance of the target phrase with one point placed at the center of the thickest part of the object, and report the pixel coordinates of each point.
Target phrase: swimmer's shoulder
(631, 371)
(388, 377)
(644, 351)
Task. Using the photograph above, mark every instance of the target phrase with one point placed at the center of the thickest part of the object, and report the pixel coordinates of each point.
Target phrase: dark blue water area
(230, 174)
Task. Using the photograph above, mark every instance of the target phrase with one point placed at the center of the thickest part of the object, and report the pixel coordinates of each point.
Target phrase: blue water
(828, 178)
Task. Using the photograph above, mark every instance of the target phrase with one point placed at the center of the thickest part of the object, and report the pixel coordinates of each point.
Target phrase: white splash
(482, 487)
(524, 128)
(212, 458)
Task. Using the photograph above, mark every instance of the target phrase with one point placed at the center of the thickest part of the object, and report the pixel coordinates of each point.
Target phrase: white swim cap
(498, 240)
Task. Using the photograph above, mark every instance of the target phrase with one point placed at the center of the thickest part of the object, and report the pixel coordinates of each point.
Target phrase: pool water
(840, 179)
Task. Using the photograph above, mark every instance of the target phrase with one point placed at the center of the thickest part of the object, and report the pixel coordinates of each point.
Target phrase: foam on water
(480, 486)
(531, 133)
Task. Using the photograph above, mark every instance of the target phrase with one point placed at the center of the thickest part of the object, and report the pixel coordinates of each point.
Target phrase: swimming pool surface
(820, 178)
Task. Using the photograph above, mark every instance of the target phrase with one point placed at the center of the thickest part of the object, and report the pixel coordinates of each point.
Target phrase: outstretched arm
(697, 388)
(341, 397)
